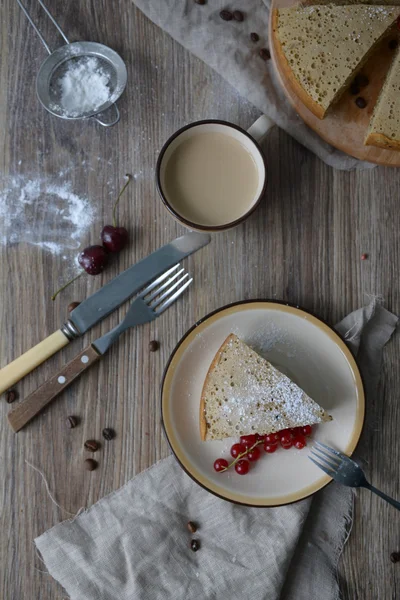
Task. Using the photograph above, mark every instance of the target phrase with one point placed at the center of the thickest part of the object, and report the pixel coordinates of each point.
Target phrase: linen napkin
(134, 544)
(227, 48)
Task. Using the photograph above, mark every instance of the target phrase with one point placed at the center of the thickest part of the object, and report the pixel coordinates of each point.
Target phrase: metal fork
(344, 470)
(150, 304)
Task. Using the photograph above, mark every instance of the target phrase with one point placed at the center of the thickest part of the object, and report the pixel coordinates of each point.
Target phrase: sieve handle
(52, 19)
(111, 123)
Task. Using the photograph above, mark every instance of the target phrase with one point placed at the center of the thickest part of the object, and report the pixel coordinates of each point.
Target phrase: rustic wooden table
(303, 245)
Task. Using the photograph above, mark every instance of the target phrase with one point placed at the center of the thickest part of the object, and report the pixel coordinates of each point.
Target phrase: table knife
(103, 302)
(150, 304)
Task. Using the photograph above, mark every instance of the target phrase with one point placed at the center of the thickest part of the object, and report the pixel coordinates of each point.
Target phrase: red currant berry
(237, 449)
(299, 441)
(248, 440)
(271, 439)
(306, 430)
(220, 464)
(284, 432)
(260, 437)
(286, 440)
(254, 454)
(270, 448)
(286, 444)
(242, 467)
(295, 430)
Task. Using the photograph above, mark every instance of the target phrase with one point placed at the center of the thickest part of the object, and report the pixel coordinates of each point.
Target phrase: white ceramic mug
(250, 139)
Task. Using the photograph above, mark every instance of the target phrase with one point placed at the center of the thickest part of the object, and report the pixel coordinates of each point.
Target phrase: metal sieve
(48, 87)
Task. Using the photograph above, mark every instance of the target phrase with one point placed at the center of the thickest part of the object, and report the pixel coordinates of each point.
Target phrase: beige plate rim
(167, 379)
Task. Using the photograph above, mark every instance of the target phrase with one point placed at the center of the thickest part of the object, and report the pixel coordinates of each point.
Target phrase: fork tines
(162, 292)
(328, 459)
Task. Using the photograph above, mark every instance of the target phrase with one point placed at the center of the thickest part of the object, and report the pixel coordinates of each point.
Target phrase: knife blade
(122, 287)
(100, 304)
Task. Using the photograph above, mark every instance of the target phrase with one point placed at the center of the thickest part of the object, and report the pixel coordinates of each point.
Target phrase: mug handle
(260, 128)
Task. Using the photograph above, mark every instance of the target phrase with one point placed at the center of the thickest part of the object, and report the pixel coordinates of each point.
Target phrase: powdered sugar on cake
(244, 394)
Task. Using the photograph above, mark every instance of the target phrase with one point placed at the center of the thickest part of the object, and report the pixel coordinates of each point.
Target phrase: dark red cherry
(114, 238)
(93, 259)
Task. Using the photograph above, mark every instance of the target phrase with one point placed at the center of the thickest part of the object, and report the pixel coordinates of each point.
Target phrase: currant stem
(119, 196)
(233, 463)
(54, 296)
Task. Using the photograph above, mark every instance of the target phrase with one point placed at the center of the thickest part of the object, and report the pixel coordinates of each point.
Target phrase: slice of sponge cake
(244, 394)
(384, 127)
(322, 47)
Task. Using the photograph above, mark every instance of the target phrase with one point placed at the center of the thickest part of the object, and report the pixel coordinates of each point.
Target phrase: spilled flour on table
(43, 212)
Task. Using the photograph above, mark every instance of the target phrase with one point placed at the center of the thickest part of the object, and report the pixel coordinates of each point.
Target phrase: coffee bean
(238, 15)
(72, 306)
(254, 37)
(226, 15)
(354, 89)
(265, 54)
(154, 346)
(202, 2)
(11, 396)
(71, 422)
(91, 445)
(195, 545)
(108, 434)
(393, 44)
(361, 102)
(361, 80)
(192, 527)
(91, 464)
(395, 557)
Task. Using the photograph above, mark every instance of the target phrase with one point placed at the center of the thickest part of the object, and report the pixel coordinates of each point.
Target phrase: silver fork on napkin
(150, 304)
(344, 470)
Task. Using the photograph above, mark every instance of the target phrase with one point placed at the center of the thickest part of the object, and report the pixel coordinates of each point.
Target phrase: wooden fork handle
(33, 404)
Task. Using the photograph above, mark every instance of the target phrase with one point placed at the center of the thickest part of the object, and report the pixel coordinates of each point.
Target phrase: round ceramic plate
(304, 348)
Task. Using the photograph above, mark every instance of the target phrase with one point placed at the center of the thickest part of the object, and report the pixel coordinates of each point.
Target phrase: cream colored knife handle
(23, 365)
(26, 410)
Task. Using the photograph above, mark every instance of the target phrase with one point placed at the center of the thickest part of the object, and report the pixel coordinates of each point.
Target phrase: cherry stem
(54, 296)
(119, 196)
(239, 456)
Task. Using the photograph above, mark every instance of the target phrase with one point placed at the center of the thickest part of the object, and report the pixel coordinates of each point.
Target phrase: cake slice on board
(384, 127)
(322, 47)
(244, 394)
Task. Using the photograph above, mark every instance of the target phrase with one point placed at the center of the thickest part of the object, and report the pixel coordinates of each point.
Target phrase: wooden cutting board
(345, 125)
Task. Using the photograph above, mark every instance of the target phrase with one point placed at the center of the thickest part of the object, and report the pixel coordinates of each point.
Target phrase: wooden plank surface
(303, 245)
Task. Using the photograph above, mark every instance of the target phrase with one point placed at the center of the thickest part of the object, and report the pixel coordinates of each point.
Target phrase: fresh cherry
(242, 467)
(270, 448)
(254, 454)
(248, 440)
(114, 238)
(299, 441)
(237, 449)
(93, 259)
(221, 464)
(306, 430)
